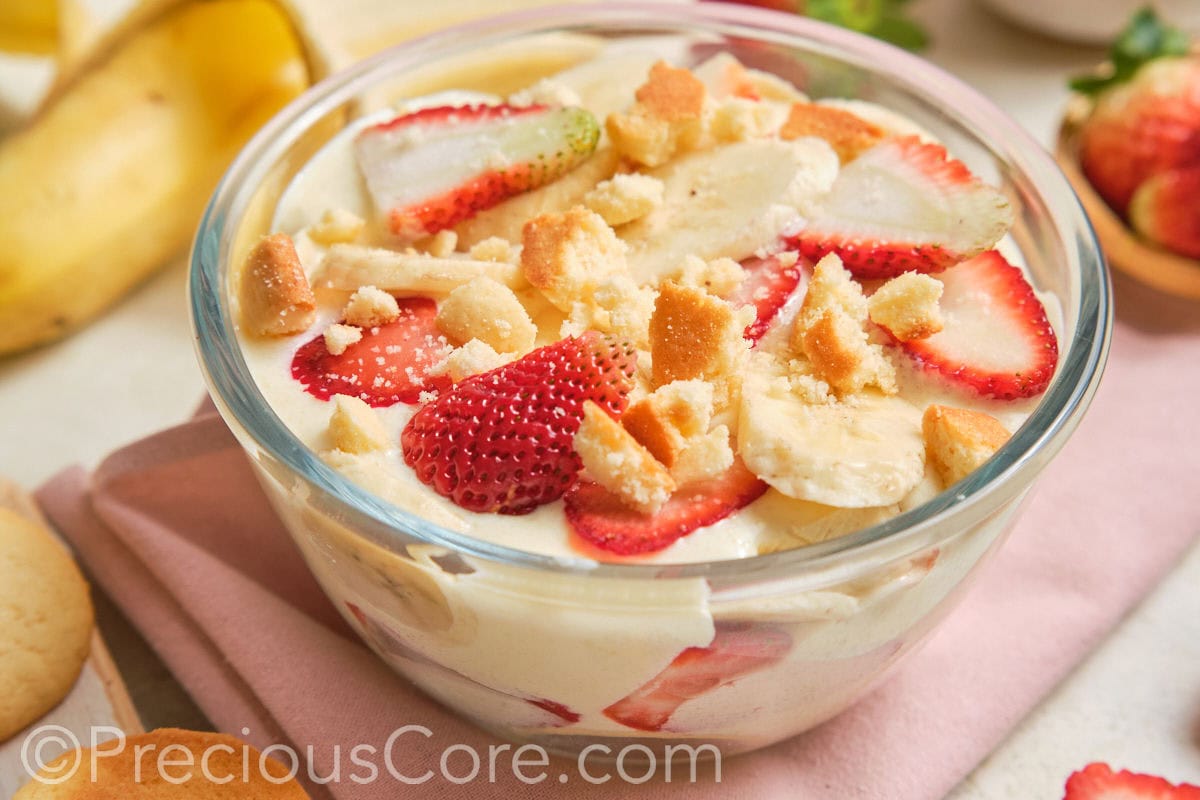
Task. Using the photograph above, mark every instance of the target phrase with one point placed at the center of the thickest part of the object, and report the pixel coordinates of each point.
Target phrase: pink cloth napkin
(175, 529)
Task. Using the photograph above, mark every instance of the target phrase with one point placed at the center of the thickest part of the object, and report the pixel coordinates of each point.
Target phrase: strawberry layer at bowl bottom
(567, 661)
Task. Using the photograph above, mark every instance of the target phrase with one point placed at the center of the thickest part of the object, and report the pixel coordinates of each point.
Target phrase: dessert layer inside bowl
(641, 312)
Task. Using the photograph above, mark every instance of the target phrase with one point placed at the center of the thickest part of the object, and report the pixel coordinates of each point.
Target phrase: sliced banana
(726, 202)
(864, 452)
(603, 83)
(349, 266)
(810, 523)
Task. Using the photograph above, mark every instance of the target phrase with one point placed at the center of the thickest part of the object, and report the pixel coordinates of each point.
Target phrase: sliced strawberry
(502, 440)
(1099, 782)
(389, 365)
(769, 282)
(904, 205)
(774, 5)
(436, 167)
(997, 341)
(555, 708)
(600, 518)
(737, 649)
(1166, 210)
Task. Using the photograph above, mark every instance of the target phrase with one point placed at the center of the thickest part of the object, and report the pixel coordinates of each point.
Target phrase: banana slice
(603, 83)
(805, 522)
(727, 201)
(854, 454)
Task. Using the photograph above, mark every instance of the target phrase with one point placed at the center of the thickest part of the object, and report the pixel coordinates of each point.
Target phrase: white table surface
(1135, 702)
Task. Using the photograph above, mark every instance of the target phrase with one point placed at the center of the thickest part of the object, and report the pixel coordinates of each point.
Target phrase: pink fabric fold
(176, 530)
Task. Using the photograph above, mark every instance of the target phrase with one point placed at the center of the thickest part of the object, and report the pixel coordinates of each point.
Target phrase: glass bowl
(569, 653)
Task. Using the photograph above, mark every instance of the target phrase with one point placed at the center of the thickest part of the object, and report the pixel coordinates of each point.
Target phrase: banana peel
(29, 26)
(108, 181)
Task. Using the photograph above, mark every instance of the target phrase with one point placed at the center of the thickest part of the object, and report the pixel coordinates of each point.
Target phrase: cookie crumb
(719, 277)
(625, 197)
(472, 358)
(567, 255)
(275, 298)
(615, 460)
(494, 248)
(665, 420)
(488, 311)
(338, 337)
(695, 335)
(737, 119)
(616, 305)
(546, 92)
(830, 332)
(354, 426)
(669, 116)
(705, 457)
(442, 244)
(369, 307)
(337, 226)
(958, 441)
(907, 306)
(847, 133)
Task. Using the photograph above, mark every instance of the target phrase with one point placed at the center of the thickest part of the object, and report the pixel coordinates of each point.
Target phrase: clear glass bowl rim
(240, 402)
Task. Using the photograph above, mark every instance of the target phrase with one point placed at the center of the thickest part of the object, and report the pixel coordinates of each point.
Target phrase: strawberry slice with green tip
(503, 441)
(436, 167)
(1099, 782)
(902, 206)
(601, 519)
(997, 341)
(768, 284)
(737, 649)
(389, 365)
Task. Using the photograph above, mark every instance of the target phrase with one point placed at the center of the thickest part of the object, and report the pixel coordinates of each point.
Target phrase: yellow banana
(110, 178)
(29, 26)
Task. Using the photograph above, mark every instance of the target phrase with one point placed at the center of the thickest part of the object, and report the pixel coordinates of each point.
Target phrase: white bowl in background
(1091, 21)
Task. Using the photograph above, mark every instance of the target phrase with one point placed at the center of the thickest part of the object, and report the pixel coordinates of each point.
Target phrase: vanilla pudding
(814, 322)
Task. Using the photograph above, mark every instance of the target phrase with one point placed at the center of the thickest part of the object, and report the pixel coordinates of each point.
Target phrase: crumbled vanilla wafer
(274, 295)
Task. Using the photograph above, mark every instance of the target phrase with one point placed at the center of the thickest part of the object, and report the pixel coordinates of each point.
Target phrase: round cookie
(45, 622)
(155, 765)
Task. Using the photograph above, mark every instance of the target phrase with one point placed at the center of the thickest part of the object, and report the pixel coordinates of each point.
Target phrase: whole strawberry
(1146, 117)
(884, 19)
(502, 441)
(1166, 210)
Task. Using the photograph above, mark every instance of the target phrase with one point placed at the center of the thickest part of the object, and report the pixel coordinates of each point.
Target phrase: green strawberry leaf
(902, 32)
(1144, 39)
(883, 19)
